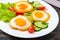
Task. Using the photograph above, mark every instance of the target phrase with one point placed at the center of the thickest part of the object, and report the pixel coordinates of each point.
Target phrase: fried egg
(20, 23)
(40, 15)
(23, 6)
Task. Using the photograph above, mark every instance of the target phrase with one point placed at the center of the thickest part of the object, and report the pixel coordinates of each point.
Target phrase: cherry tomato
(11, 8)
(31, 29)
(21, 13)
(42, 8)
(17, 13)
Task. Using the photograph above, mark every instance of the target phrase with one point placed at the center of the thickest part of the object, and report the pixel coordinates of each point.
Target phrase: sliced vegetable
(37, 28)
(36, 4)
(11, 8)
(31, 29)
(41, 24)
(19, 13)
(41, 8)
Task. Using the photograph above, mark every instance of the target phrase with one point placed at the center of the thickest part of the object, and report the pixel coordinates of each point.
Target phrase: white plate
(54, 2)
(52, 24)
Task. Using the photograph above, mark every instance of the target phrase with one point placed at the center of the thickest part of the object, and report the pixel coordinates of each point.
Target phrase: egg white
(26, 3)
(25, 27)
(45, 16)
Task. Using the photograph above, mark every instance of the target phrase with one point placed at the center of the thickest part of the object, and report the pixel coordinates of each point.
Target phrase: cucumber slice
(36, 4)
(41, 24)
(37, 29)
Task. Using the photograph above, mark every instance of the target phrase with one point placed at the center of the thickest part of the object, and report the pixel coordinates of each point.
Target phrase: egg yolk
(23, 6)
(38, 14)
(20, 22)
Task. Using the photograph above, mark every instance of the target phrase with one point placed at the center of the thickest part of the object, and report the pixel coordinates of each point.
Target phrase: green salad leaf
(5, 14)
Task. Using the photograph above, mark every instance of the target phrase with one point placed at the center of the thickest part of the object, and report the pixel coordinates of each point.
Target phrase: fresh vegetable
(5, 5)
(28, 16)
(31, 2)
(17, 13)
(41, 8)
(0, 5)
(11, 4)
(31, 29)
(37, 28)
(5, 14)
(41, 24)
(36, 4)
(11, 8)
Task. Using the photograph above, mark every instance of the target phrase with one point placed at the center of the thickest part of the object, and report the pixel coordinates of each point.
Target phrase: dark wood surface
(55, 35)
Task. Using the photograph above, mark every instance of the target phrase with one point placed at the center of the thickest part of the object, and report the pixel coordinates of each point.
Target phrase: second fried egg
(40, 15)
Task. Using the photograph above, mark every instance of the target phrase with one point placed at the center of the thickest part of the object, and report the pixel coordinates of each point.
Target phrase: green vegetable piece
(37, 28)
(6, 5)
(36, 4)
(12, 4)
(4, 18)
(31, 2)
(41, 24)
(0, 5)
(5, 14)
(29, 17)
(27, 14)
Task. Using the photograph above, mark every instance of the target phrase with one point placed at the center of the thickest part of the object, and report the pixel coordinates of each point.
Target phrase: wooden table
(55, 35)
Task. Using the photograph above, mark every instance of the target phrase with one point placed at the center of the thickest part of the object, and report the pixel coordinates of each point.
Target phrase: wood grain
(55, 35)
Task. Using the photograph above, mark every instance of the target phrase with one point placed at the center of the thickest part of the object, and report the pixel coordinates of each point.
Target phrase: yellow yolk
(23, 6)
(20, 22)
(38, 14)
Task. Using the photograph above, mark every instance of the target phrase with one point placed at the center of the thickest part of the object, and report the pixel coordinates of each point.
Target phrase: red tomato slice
(17, 13)
(42, 8)
(31, 29)
(11, 8)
